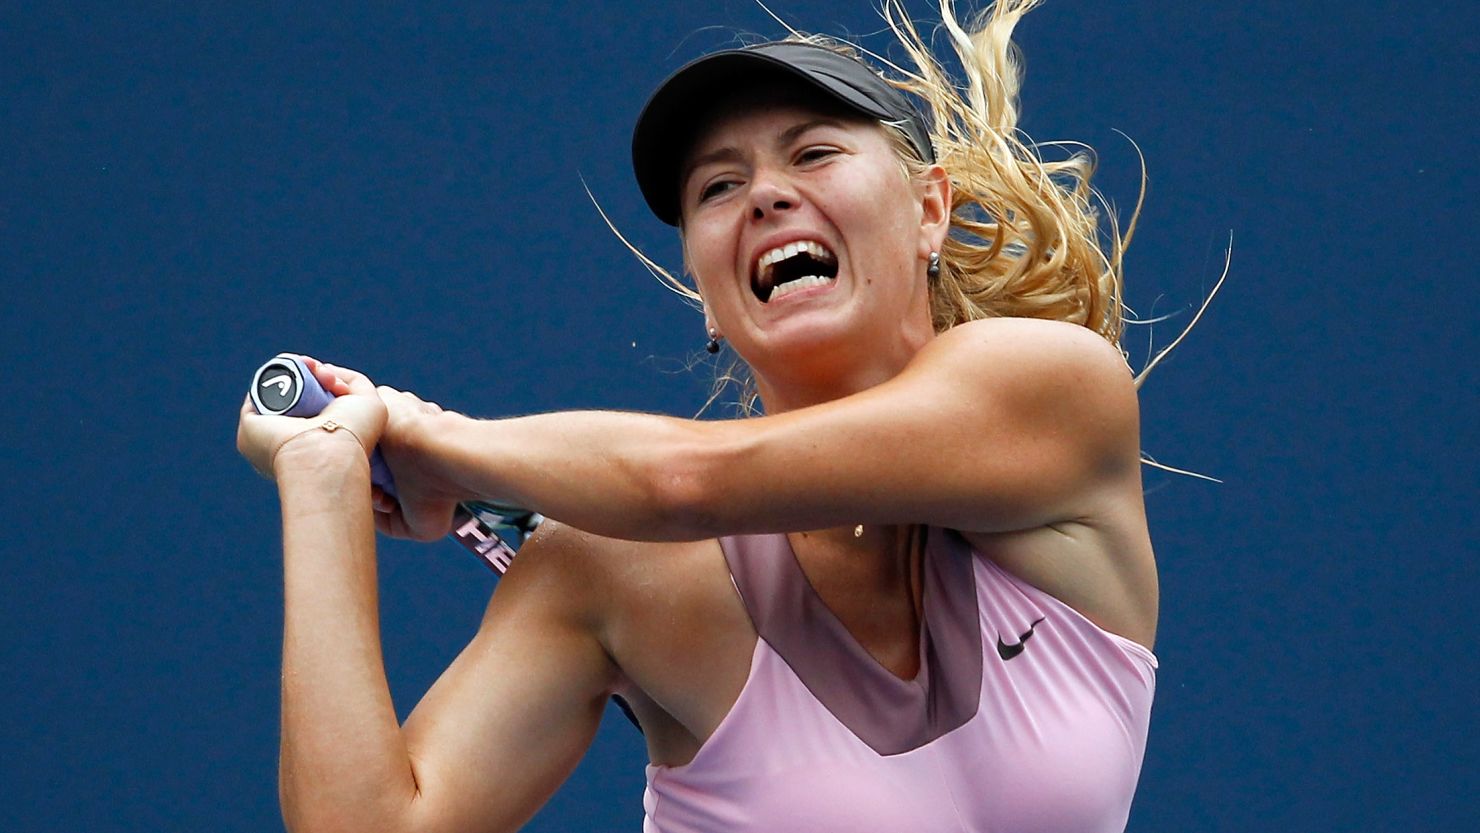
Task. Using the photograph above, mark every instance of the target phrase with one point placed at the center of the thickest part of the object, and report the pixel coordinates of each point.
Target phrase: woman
(918, 594)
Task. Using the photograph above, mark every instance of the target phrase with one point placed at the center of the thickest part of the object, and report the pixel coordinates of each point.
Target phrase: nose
(770, 194)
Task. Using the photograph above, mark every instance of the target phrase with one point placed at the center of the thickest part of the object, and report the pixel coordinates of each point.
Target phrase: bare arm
(341, 744)
(490, 742)
(497, 733)
(995, 426)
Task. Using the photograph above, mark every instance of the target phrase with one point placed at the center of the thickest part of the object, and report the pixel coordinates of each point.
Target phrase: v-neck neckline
(837, 630)
(888, 713)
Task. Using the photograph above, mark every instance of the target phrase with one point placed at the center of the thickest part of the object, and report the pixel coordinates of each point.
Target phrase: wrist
(317, 450)
(426, 433)
(439, 442)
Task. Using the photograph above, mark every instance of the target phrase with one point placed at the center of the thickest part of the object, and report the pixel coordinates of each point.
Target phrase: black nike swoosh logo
(1007, 652)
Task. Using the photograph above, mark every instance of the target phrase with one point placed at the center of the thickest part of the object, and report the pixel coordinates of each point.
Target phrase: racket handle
(285, 386)
(491, 531)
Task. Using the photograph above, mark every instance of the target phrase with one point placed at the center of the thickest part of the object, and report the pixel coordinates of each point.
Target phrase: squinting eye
(715, 188)
(814, 154)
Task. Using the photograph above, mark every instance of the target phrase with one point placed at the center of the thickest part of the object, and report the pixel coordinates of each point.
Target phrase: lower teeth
(800, 283)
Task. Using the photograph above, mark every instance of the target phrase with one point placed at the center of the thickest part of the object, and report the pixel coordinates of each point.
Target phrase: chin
(820, 340)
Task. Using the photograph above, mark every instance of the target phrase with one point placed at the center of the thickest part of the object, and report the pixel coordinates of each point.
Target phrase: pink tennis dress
(1024, 716)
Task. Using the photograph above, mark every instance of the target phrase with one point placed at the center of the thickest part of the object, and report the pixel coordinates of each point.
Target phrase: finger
(326, 377)
(381, 501)
(353, 380)
(427, 520)
(329, 376)
(385, 524)
(392, 524)
(390, 394)
(255, 433)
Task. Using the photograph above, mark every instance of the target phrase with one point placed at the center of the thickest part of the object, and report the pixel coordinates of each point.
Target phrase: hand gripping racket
(492, 531)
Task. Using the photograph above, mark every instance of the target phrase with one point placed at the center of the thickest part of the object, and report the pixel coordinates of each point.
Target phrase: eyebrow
(729, 152)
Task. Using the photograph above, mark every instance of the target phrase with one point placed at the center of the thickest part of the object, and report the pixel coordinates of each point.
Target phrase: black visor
(667, 124)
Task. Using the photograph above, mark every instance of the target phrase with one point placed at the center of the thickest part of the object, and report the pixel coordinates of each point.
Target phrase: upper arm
(997, 425)
(510, 718)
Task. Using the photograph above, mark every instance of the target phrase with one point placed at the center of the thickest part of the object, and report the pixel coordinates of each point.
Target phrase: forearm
(343, 762)
(996, 426)
(623, 475)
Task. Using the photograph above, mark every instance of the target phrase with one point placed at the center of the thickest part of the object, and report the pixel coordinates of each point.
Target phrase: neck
(794, 384)
(790, 394)
(886, 559)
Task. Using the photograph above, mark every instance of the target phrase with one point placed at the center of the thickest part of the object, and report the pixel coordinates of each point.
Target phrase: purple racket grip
(285, 386)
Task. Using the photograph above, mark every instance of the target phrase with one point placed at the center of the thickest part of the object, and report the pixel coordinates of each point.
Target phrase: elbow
(305, 812)
(298, 822)
(299, 816)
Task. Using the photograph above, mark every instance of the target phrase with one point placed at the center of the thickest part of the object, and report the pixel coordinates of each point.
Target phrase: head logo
(283, 381)
(278, 385)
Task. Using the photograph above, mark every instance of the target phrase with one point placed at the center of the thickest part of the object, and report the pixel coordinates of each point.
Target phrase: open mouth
(793, 267)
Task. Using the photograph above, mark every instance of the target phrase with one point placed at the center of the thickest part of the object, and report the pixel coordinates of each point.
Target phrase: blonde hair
(1025, 238)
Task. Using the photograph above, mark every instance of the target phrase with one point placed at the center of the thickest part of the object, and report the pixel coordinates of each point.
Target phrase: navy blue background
(185, 191)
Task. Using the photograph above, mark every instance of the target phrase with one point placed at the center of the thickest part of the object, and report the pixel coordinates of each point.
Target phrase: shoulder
(574, 566)
(580, 559)
(561, 579)
(1030, 347)
(619, 589)
(1044, 374)
(566, 580)
(665, 614)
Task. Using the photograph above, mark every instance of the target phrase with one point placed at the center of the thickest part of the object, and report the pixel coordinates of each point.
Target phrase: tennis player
(917, 594)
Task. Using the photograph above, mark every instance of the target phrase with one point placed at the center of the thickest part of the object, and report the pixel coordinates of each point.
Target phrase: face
(805, 236)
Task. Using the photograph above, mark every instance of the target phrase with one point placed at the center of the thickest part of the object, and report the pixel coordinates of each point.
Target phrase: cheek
(708, 266)
(699, 241)
(882, 210)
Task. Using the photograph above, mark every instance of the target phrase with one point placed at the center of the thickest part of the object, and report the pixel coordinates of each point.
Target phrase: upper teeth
(780, 253)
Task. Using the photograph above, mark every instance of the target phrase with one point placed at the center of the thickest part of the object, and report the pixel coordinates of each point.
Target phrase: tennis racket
(491, 531)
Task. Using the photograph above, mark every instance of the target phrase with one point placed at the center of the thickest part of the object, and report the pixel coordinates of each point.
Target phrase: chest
(876, 607)
(685, 640)
(1052, 740)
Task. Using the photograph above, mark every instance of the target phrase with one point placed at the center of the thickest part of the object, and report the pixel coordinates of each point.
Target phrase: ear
(935, 214)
